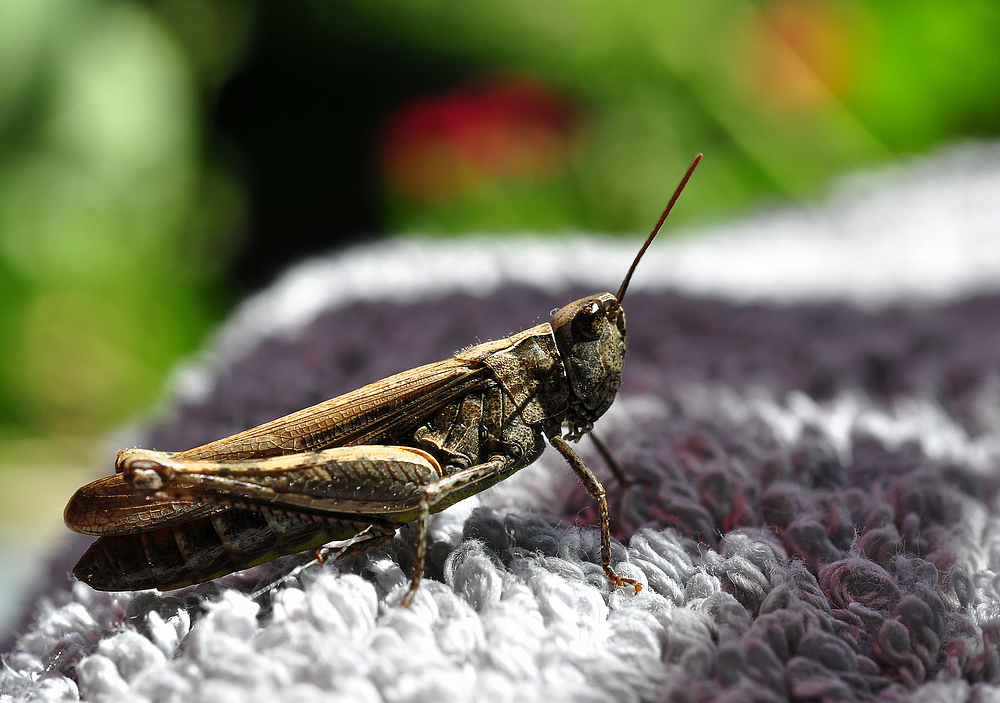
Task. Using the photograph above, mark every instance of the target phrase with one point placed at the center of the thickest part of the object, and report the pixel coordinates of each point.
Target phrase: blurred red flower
(444, 147)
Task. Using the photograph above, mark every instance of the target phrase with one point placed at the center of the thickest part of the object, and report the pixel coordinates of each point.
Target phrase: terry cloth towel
(809, 419)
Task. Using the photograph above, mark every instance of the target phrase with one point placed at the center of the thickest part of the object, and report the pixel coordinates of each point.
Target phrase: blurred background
(159, 160)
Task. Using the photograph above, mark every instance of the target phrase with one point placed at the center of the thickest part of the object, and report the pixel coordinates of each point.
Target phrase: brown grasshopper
(361, 465)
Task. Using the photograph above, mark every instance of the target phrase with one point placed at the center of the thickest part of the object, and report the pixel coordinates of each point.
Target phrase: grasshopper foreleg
(595, 489)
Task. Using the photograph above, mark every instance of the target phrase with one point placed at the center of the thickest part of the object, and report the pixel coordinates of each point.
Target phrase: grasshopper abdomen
(200, 550)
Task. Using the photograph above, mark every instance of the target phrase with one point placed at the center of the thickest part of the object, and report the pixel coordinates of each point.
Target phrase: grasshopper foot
(620, 581)
(408, 598)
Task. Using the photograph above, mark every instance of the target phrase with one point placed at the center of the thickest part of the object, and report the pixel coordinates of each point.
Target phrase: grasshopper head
(590, 335)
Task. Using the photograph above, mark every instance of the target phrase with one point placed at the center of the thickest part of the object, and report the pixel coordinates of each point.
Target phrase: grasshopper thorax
(590, 336)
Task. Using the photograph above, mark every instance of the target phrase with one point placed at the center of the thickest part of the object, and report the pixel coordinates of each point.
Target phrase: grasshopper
(356, 468)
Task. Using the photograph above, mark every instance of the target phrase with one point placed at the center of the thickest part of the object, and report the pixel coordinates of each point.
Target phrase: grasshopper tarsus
(359, 466)
(411, 591)
(621, 582)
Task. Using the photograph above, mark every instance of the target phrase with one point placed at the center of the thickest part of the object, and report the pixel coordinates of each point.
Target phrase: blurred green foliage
(781, 95)
(121, 209)
(113, 224)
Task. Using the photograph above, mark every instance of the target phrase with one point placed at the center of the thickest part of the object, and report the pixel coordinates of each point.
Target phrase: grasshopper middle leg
(368, 539)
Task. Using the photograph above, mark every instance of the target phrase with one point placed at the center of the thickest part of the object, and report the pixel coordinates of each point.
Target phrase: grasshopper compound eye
(586, 323)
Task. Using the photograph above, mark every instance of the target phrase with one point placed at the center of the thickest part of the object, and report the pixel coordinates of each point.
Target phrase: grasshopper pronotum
(361, 465)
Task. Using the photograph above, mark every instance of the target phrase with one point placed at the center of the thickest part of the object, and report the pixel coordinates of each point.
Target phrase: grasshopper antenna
(656, 229)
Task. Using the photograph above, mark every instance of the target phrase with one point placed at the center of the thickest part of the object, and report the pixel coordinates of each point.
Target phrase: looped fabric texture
(813, 457)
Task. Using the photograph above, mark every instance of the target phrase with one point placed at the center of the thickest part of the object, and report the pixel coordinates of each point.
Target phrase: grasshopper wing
(372, 414)
(110, 506)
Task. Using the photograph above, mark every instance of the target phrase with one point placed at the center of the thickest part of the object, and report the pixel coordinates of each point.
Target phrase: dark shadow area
(302, 117)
